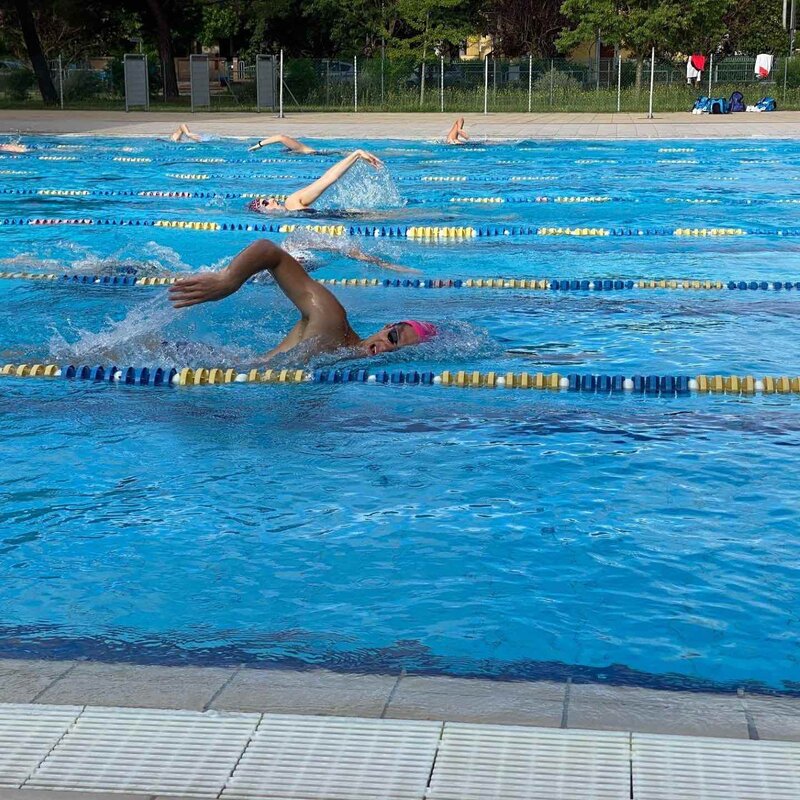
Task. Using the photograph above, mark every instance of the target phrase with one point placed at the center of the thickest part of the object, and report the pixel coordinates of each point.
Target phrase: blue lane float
(561, 285)
(646, 385)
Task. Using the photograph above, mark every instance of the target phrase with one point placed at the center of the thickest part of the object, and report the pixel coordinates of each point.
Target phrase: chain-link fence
(406, 84)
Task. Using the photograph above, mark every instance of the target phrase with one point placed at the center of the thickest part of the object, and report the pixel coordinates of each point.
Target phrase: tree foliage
(669, 26)
(525, 27)
(412, 29)
(755, 26)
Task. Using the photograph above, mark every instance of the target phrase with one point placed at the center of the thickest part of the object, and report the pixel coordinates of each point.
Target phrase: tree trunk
(639, 71)
(164, 38)
(35, 53)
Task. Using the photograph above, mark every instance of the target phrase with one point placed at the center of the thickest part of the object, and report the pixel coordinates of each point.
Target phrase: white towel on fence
(692, 74)
(763, 65)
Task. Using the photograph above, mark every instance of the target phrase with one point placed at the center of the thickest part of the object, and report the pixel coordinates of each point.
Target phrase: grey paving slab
(545, 690)
(596, 706)
(138, 686)
(679, 125)
(459, 700)
(313, 692)
(38, 794)
(775, 718)
(21, 680)
(777, 727)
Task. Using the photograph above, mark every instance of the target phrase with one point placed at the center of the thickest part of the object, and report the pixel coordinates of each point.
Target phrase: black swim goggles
(394, 334)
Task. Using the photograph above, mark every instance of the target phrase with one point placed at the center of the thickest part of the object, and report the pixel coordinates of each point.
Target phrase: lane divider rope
(425, 232)
(537, 284)
(580, 199)
(653, 385)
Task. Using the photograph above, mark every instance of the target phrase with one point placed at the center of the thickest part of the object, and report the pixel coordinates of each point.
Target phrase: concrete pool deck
(677, 125)
(80, 729)
(553, 704)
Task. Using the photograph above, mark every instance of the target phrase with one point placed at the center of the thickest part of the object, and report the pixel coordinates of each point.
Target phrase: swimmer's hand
(203, 288)
(369, 158)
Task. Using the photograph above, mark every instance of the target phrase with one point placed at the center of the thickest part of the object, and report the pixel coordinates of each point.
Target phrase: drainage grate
(27, 734)
(666, 767)
(515, 763)
(336, 758)
(141, 750)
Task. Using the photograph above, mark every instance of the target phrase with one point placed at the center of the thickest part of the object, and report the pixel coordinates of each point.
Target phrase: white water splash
(363, 188)
(143, 338)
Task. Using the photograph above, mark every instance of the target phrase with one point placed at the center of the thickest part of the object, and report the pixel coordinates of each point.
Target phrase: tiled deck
(682, 125)
(89, 729)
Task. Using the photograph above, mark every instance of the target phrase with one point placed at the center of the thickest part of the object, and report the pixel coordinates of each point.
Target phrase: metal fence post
(530, 81)
(280, 92)
(441, 83)
(61, 81)
(355, 84)
(652, 81)
(710, 71)
(552, 78)
(785, 76)
(486, 84)
(619, 79)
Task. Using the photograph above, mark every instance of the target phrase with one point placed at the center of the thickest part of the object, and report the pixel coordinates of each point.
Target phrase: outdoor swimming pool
(620, 537)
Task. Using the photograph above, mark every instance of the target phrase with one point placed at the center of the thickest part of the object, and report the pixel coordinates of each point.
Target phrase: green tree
(420, 26)
(669, 26)
(756, 26)
(525, 27)
(33, 45)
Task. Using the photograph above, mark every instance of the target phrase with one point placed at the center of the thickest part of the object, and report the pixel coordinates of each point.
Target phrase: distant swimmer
(288, 142)
(323, 326)
(14, 147)
(457, 133)
(303, 199)
(183, 130)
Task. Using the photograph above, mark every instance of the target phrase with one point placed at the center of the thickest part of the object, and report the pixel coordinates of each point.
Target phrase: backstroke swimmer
(303, 199)
(323, 326)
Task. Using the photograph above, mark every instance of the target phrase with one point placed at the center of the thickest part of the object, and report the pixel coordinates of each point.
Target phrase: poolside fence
(405, 84)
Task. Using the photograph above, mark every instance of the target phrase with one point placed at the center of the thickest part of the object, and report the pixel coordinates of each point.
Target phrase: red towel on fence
(699, 62)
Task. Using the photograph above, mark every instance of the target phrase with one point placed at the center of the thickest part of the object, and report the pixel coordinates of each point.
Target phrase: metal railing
(457, 86)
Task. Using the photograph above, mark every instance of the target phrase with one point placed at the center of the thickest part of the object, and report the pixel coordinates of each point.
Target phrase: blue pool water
(631, 539)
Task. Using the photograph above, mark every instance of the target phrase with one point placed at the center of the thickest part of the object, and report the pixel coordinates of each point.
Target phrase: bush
(18, 83)
(560, 81)
(83, 85)
(792, 74)
(301, 78)
(245, 92)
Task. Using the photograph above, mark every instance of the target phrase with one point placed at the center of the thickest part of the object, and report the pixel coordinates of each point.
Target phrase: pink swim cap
(424, 330)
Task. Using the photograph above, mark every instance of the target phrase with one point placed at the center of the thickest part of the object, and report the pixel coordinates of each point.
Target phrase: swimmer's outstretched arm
(287, 141)
(323, 319)
(359, 255)
(311, 298)
(303, 198)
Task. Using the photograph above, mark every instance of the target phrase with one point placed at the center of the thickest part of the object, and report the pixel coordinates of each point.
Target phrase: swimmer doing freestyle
(323, 326)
